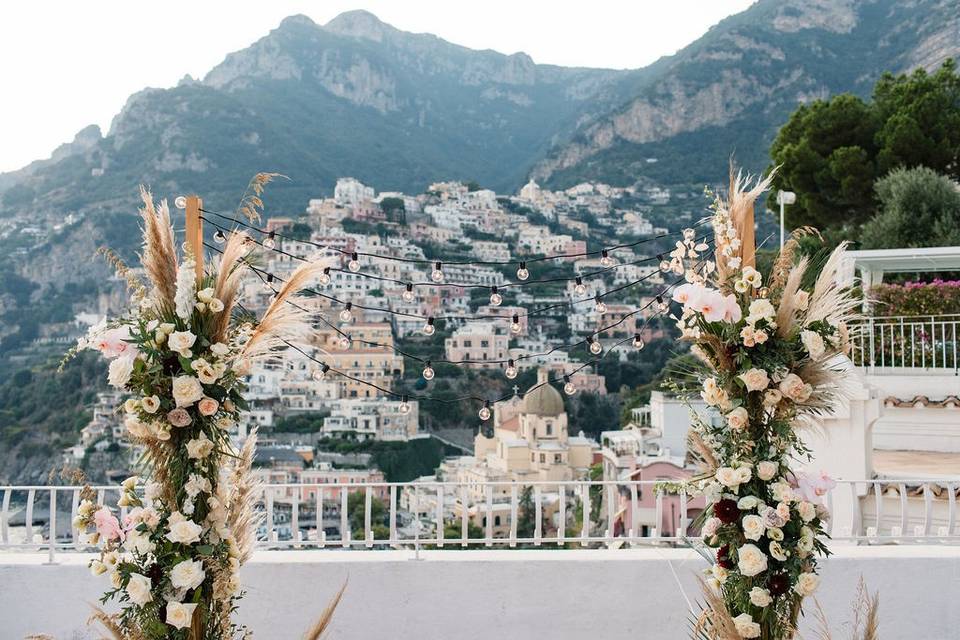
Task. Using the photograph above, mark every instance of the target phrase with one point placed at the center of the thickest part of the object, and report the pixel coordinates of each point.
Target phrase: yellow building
(373, 364)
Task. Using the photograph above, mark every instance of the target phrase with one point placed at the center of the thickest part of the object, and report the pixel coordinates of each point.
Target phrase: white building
(350, 191)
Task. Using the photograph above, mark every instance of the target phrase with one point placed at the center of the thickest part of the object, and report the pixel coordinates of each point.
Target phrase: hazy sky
(72, 63)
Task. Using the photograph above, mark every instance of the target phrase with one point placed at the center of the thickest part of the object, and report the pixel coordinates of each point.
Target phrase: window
(543, 458)
(549, 429)
(496, 521)
(557, 458)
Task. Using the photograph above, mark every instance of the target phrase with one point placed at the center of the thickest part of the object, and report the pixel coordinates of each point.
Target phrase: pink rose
(113, 343)
(179, 417)
(107, 524)
(208, 406)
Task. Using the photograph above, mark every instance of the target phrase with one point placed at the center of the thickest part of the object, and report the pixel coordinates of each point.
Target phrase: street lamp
(783, 199)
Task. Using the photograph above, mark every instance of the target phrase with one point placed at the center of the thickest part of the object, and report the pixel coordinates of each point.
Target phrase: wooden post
(748, 236)
(195, 232)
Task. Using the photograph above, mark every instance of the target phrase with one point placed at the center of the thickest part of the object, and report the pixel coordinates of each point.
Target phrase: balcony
(566, 578)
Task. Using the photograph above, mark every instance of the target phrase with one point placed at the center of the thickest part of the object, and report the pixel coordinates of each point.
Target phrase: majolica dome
(543, 401)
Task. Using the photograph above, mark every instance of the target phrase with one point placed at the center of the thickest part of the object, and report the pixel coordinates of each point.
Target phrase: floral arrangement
(770, 350)
(181, 353)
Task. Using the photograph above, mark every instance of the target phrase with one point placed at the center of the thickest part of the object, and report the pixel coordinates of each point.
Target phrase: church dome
(543, 401)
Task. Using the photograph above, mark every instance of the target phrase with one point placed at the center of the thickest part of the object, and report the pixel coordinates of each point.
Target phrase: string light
(404, 406)
(428, 372)
(180, 202)
(662, 305)
(484, 412)
(568, 387)
(600, 306)
(515, 326)
(437, 274)
(268, 283)
(346, 315)
(638, 341)
(511, 370)
(429, 329)
(407, 294)
(689, 234)
(324, 277)
(605, 259)
(495, 298)
(218, 237)
(270, 242)
(595, 347)
(320, 374)
(354, 264)
(344, 341)
(522, 272)
(580, 289)
(664, 265)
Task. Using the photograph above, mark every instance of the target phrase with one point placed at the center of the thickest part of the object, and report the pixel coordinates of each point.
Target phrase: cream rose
(747, 503)
(737, 419)
(208, 406)
(181, 342)
(138, 588)
(767, 470)
(182, 530)
(186, 390)
(813, 343)
(755, 379)
(807, 583)
(760, 597)
(119, 372)
(215, 305)
(744, 474)
(805, 543)
(199, 448)
(205, 295)
(728, 477)
(793, 387)
(782, 491)
(188, 574)
(180, 615)
(751, 560)
(753, 527)
(807, 511)
(746, 627)
(771, 398)
(219, 349)
(150, 404)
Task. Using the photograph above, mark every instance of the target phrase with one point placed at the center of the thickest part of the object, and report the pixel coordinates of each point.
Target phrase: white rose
(182, 530)
(181, 341)
(766, 470)
(186, 390)
(139, 542)
(746, 627)
(215, 305)
(747, 503)
(807, 511)
(728, 477)
(782, 491)
(744, 474)
(207, 374)
(813, 343)
(753, 527)
(805, 543)
(219, 349)
(199, 448)
(150, 404)
(751, 561)
(188, 574)
(737, 419)
(138, 588)
(760, 597)
(793, 387)
(755, 379)
(150, 517)
(118, 375)
(760, 309)
(180, 615)
(807, 583)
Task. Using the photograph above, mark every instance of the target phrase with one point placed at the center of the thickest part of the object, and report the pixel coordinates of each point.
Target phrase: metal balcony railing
(909, 342)
(549, 514)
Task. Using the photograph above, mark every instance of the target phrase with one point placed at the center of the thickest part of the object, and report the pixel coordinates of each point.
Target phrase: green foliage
(832, 151)
(919, 208)
(917, 298)
(399, 461)
(301, 422)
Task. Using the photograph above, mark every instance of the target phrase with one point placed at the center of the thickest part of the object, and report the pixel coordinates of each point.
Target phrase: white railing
(557, 514)
(911, 342)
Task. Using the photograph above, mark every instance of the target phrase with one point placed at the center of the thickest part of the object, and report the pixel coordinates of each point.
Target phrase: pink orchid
(713, 306)
(688, 294)
(107, 525)
(732, 312)
(113, 343)
(813, 486)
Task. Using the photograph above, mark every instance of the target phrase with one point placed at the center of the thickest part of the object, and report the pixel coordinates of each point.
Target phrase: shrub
(917, 298)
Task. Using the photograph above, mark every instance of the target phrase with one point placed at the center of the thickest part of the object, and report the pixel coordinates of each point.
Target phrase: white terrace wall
(498, 595)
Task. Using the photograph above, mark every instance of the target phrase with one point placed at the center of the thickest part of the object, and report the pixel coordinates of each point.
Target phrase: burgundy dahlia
(779, 584)
(727, 510)
(723, 557)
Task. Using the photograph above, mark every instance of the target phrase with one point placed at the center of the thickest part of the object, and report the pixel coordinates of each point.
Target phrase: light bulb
(218, 237)
(689, 234)
(320, 374)
(325, 276)
(407, 294)
(344, 342)
(180, 202)
(580, 289)
(495, 298)
(346, 315)
(664, 265)
(354, 264)
(601, 306)
(437, 274)
(522, 273)
(662, 304)
(429, 329)
(404, 406)
(268, 283)
(269, 242)
(511, 370)
(515, 325)
(605, 259)
(595, 347)
(638, 341)
(428, 372)
(484, 412)
(569, 388)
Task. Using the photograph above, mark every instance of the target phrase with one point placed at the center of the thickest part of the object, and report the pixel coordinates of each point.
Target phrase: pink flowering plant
(772, 354)
(181, 354)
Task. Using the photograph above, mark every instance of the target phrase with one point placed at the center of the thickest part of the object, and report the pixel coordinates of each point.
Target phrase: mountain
(729, 91)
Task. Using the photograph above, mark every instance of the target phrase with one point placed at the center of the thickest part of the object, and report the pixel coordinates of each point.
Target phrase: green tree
(394, 209)
(918, 208)
(831, 152)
